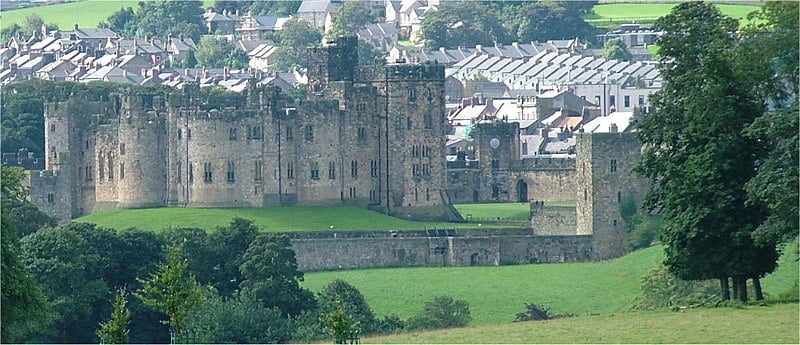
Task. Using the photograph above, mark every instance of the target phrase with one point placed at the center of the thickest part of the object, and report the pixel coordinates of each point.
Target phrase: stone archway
(522, 191)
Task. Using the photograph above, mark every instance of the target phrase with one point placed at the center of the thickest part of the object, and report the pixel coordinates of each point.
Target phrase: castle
(368, 136)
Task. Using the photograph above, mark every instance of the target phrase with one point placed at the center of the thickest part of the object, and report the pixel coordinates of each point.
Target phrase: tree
(160, 18)
(353, 16)
(463, 23)
(240, 319)
(33, 24)
(344, 328)
(297, 35)
(123, 22)
(115, 330)
(441, 312)
(338, 295)
(172, 291)
(615, 49)
(218, 52)
(367, 53)
(275, 8)
(24, 307)
(696, 156)
(270, 271)
(661, 289)
(542, 21)
(229, 245)
(28, 217)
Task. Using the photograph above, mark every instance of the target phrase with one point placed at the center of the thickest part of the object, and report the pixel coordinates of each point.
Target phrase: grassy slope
(270, 218)
(86, 13)
(496, 294)
(655, 10)
(756, 324)
(508, 210)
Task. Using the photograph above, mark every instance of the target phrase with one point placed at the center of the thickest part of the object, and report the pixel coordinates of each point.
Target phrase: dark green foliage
(645, 231)
(353, 16)
(616, 49)
(533, 312)
(28, 217)
(217, 96)
(275, 8)
(463, 23)
(229, 244)
(161, 18)
(297, 35)
(197, 248)
(542, 21)
(367, 53)
(389, 324)
(24, 307)
(441, 312)
(270, 271)
(240, 319)
(661, 289)
(115, 330)
(307, 327)
(172, 291)
(344, 328)
(123, 22)
(341, 296)
(188, 61)
(219, 52)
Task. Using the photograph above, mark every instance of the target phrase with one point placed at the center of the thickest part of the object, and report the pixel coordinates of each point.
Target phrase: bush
(533, 312)
(441, 312)
(644, 232)
(389, 324)
(341, 296)
(308, 327)
(660, 289)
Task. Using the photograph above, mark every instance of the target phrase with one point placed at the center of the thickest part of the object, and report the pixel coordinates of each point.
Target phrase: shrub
(644, 232)
(441, 312)
(533, 312)
(343, 327)
(341, 296)
(660, 288)
(307, 327)
(389, 324)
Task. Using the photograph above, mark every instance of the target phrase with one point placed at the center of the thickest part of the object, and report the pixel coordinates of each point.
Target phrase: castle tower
(498, 146)
(335, 61)
(605, 179)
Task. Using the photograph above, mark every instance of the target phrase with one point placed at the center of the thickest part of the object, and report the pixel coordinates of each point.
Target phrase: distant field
(611, 15)
(294, 218)
(506, 210)
(775, 324)
(86, 13)
(496, 294)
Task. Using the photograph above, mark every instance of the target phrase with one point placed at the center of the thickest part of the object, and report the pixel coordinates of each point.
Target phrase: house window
(207, 173)
(332, 170)
(314, 171)
(290, 171)
(289, 134)
(232, 134)
(428, 121)
(259, 166)
(362, 135)
(641, 100)
(122, 149)
(309, 134)
(613, 165)
(354, 169)
(597, 100)
(612, 100)
(373, 168)
(50, 198)
(231, 173)
(626, 101)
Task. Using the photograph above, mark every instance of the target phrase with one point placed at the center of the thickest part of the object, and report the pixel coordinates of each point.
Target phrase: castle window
(362, 135)
(585, 195)
(207, 173)
(88, 173)
(122, 149)
(289, 134)
(188, 134)
(231, 173)
(53, 151)
(398, 123)
(352, 192)
(314, 171)
(428, 121)
(619, 197)
(232, 134)
(110, 168)
(597, 100)
(416, 194)
(373, 168)
(354, 169)
(427, 194)
(614, 222)
(122, 171)
(372, 195)
(408, 122)
(178, 172)
(309, 134)
(191, 173)
(259, 170)
(361, 107)
(332, 170)
(101, 174)
(495, 164)
(290, 171)
(257, 132)
(524, 148)
(495, 191)
(50, 198)
(87, 144)
(415, 170)
(426, 170)
(180, 134)
(412, 94)
(425, 151)
(613, 165)
(52, 127)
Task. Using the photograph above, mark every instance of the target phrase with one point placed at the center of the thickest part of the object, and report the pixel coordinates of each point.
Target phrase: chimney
(125, 73)
(612, 128)
(76, 26)
(479, 48)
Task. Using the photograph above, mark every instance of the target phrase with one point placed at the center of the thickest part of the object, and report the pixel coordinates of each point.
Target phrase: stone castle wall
(553, 220)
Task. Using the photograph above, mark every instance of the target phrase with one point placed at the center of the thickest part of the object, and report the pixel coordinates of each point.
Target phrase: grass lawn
(611, 15)
(507, 210)
(295, 218)
(86, 13)
(753, 324)
(495, 294)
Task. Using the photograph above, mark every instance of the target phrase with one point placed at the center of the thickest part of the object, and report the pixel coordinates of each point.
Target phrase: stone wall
(326, 253)
(553, 220)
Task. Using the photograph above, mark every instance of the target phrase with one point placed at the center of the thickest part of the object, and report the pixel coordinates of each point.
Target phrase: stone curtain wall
(554, 220)
(366, 251)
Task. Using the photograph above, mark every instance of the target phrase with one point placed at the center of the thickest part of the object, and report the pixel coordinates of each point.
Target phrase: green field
(495, 294)
(86, 13)
(774, 324)
(294, 218)
(648, 12)
(506, 210)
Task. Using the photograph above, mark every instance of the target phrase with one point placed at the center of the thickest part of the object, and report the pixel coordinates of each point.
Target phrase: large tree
(339, 295)
(696, 155)
(464, 23)
(297, 35)
(219, 52)
(542, 21)
(353, 16)
(240, 319)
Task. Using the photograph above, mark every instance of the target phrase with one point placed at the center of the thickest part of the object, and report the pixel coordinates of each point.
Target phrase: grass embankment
(280, 219)
(86, 13)
(754, 324)
(506, 211)
(496, 294)
(612, 15)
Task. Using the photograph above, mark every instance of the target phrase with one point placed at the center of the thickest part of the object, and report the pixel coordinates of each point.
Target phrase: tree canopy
(219, 52)
(615, 49)
(297, 35)
(159, 18)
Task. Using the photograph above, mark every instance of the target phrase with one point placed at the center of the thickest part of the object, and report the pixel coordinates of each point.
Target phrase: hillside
(496, 294)
(612, 15)
(295, 218)
(755, 324)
